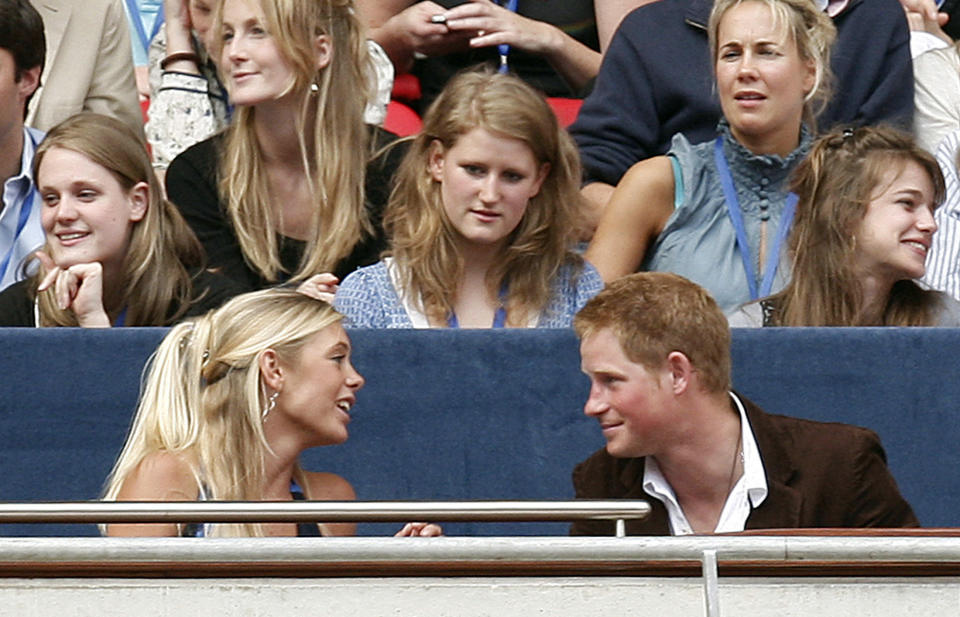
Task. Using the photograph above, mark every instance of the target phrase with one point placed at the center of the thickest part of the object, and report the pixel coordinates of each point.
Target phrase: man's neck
(11, 153)
(702, 466)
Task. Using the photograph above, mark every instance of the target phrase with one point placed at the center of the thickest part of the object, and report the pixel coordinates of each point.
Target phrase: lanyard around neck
(135, 17)
(121, 319)
(499, 316)
(499, 319)
(21, 224)
(503, 48)
(736, 218)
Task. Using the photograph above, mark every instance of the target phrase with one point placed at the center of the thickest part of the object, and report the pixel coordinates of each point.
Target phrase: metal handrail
(751, 550)
(318, 511)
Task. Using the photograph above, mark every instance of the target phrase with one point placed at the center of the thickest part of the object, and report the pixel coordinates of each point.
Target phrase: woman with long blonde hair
(116, 253)
(482, 220)
(865, 223)
(229, 403)
(280, 194)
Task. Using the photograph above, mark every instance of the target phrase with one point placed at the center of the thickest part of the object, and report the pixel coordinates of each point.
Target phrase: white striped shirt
(943, 260)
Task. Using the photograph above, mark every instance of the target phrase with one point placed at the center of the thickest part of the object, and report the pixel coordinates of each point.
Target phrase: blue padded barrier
(480, 414)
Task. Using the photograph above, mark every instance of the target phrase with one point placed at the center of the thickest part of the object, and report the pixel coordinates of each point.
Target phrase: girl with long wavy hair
(864, 226)
(230, 401)
(482, 219)
(281, 193)
(116, 252)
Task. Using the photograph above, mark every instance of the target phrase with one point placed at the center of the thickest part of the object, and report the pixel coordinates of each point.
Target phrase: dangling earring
(314, 89)
(271, 403)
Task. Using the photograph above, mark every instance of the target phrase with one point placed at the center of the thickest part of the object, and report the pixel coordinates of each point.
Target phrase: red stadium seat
(566, 109)
(402, 120)
(406, 87)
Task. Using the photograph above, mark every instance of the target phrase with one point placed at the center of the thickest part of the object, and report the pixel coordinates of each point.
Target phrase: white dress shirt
(748, 493)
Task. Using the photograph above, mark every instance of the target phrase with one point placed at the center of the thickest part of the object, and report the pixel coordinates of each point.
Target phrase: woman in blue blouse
(482, 219)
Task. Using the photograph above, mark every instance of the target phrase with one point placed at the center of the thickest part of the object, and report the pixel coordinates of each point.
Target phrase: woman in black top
(281, 193)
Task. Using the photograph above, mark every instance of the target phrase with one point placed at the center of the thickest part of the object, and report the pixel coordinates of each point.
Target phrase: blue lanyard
(733, 209)
(499, 319)
(21, 223)
(121, 319)
(503, 48)
(157, 23)
(137, 20)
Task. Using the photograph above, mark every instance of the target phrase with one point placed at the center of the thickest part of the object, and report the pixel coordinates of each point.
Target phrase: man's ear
(28, 84)
(271, 371)
(680, 370)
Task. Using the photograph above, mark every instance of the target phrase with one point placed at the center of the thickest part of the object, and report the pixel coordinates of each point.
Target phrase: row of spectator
(480, 216)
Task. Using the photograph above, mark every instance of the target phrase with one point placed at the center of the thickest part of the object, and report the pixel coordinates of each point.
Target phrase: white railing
(730, 550)
(322, 511)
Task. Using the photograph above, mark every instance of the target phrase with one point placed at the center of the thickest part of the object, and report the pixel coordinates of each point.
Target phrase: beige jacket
(89, 65)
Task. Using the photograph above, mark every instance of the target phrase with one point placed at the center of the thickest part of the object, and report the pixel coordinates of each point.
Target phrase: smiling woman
(229, 403)
(717, 212)
(255, 69)
(288, 191)
(864, 226)
(116, 252)
(482, 219)
(88, 216)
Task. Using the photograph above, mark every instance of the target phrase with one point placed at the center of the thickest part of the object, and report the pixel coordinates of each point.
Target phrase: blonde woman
(865, 223)
(717, 212)
(482, 219)
(280, 195)
(188, 102)
(230, 402)
(116, 252)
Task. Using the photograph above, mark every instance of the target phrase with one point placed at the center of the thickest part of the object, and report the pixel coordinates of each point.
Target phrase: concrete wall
(322, 585)
(478, 597)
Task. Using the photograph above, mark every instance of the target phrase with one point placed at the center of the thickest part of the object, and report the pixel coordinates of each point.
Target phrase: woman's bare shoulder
(636, 214)
(161, 476)
(654, 175)
(325, 486)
